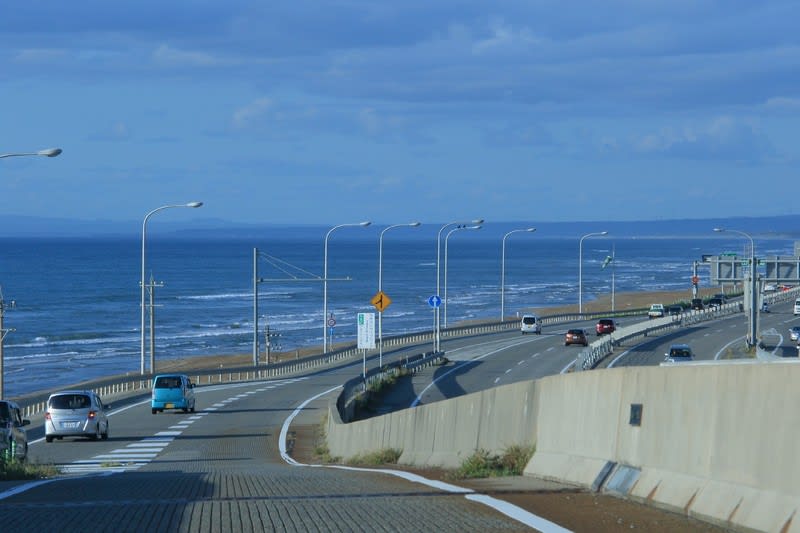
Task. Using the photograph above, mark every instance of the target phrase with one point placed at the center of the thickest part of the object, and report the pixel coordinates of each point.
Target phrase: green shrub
(15, 470)
(377, 458)
(485, 464)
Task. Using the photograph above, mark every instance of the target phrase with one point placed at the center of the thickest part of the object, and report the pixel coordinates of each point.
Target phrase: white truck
(656, 311)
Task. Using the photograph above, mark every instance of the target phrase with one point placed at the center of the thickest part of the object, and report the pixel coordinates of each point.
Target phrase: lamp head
(415, 224)
(50, 152)
(365, 223)
(478, 221)
(719, 230)
(603, 233)
(530, 230)
(194, 204)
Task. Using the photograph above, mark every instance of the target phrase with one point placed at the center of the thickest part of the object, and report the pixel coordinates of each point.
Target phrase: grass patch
(15, 471)
(485, 464)
(381, 457)
(322, 453)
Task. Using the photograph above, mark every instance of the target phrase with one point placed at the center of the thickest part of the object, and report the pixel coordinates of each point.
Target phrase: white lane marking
(719, 353)
(138, 454)
(508, 509)
(418, 399)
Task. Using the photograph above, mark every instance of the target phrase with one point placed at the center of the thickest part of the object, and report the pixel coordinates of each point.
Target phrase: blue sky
(332, 112)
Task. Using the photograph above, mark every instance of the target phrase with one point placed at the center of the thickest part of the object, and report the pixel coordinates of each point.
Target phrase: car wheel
(48, 438)
(185, 409)
(104, 436)
(96, 435)
(192, 409)
(155, 411)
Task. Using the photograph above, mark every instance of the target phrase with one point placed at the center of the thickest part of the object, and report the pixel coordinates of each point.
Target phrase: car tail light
(47, 415)
(92, 414)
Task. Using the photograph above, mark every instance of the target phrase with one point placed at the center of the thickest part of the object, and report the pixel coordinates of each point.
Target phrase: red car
(605, 325)
(576, 336)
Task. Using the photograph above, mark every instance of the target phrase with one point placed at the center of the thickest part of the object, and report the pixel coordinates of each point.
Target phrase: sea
(71, 305)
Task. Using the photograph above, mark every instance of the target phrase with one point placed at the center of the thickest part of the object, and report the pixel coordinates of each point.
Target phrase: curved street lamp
(459, 228)
(49, 152)
(144, 233)
(380, 283)
(753, 333)
(437, 322)
(580, 267)
(503, 270)
(325, 281)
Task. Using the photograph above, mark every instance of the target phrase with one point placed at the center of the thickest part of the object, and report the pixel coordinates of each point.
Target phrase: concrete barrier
(442, 433)
(714, 441)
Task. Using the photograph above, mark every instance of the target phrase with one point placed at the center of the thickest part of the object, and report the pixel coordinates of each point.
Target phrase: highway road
(221, 468)
(477, 364)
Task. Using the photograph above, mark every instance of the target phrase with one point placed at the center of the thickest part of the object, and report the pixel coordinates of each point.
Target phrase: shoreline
(186, 365)
(627, 300)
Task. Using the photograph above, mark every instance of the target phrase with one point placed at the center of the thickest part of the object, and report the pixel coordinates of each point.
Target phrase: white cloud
(39, 55)
(504, 38)
(245, 116)
(168, 56)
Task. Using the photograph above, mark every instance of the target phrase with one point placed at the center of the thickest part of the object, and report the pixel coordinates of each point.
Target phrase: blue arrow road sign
(434, 301)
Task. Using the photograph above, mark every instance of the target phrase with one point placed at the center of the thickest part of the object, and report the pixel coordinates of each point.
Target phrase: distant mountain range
(787, 226)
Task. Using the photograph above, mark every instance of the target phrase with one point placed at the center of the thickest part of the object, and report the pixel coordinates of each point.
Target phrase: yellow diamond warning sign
(381, 301)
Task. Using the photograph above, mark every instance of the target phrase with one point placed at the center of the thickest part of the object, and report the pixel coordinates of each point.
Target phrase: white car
(75, 413)
(794, 333)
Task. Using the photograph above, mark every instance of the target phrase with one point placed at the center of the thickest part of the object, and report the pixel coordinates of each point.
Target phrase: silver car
(13, 437)
(794, 333)
(75, 413)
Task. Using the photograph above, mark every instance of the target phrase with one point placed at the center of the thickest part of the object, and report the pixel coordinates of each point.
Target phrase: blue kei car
(172, 391)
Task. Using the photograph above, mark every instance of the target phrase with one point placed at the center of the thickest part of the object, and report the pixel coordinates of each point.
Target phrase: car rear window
(70, 401)
(575, 332)
(606, 322)
(168, 382)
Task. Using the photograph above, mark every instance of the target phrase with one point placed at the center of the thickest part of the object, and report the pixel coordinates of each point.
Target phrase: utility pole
(268, 336)
(151, 289)
(3, 333)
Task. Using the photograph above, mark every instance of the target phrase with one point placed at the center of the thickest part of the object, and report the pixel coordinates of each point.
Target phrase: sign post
(366, 336)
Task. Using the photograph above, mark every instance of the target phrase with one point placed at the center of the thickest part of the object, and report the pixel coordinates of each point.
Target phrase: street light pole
(380, 284)
(437, 323)
(753, 333)
(142, 283)
(325, 282)
(50, 152)
(458, 228)
(580, 267)
(503, 270)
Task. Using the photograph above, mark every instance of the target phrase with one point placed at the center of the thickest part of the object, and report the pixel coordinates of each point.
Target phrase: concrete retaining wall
(442, 433)
(719, 442)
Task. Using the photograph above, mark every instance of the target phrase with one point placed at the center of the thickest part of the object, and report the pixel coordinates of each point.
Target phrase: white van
(797, 307)
(531, 324)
